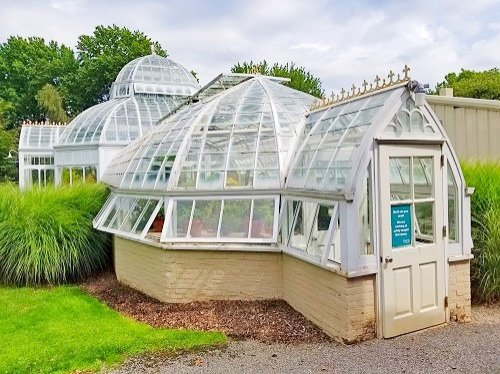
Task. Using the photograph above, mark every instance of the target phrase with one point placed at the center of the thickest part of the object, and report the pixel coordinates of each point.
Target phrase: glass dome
(154, 74)
(145, 90)
(239, 139)
(118, 121)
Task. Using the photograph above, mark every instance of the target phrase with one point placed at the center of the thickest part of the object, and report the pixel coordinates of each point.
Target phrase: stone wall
(344, 308)
(183, 276)
(459, 298)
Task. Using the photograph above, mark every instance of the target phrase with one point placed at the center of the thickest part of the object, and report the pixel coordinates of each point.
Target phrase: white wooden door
(412, 245)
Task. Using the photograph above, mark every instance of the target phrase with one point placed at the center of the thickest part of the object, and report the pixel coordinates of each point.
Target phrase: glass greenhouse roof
(154, 74)
(240, 138)
(146, 90)
(41, 136)
(330, 142)
(118, 121)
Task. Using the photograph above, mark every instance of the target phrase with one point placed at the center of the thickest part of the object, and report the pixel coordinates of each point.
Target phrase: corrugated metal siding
(472, 125)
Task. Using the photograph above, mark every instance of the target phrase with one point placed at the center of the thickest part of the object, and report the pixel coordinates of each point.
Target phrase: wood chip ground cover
(268, 321)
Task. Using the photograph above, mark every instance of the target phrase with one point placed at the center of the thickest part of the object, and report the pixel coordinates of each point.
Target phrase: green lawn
(62, 329)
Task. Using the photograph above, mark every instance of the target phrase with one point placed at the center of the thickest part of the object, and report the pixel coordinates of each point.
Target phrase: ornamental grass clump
(46, 234)
(485, 211)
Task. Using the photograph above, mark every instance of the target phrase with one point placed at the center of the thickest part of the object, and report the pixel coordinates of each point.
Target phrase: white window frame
(169, 208)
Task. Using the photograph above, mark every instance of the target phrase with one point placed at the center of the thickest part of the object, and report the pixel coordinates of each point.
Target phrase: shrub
(485, 211)
(46, 235)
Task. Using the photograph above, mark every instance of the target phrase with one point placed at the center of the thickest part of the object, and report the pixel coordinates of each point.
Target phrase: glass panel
(121, 218)
(210, 180)
(158, 221)
(239, 178)
(113, 211)
(181, 213)
(319, 235)
(423, 171)
(424, 222)
(366, 219)
(303, 225)
(206, 218)
(399, 174)
(452, 206)
(235, 218)
(132, 214)
(147, 211)
(187, 179)
(263, 218)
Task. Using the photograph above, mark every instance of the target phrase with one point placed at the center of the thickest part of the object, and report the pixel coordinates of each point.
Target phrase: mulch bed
(268, 321)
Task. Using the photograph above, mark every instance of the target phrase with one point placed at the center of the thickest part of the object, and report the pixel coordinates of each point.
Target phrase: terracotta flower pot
(158, 224)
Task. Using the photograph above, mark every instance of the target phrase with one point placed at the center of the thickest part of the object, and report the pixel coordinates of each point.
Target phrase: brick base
(183, 276)
(459, 298)
(342, 307)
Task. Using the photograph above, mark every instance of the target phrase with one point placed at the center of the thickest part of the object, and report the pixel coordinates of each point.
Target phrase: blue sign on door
(401, 225)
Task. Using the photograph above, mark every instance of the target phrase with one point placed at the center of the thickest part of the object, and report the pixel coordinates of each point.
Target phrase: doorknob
(388, 259)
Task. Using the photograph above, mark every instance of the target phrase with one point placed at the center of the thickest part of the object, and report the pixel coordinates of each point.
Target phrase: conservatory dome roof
(238, 139)
(146, 89)
(155, 75)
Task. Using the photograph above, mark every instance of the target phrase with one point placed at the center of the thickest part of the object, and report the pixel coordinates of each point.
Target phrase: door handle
(388, 259)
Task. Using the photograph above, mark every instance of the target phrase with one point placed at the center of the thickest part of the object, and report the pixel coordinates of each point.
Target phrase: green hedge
(46, 235)
(485, 210)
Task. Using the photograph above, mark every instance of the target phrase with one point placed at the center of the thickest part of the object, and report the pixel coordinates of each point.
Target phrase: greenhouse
(353, 210)
(145, 90)
(36, 153)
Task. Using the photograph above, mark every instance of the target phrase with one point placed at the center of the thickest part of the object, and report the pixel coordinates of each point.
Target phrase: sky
(340, 42)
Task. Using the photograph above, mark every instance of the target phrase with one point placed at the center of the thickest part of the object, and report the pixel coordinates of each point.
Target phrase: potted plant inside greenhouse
(159, 220)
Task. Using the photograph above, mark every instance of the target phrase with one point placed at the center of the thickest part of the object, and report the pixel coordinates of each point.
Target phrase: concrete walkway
(466, 348)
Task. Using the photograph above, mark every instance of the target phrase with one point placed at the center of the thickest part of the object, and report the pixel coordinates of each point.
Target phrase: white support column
(349, 232)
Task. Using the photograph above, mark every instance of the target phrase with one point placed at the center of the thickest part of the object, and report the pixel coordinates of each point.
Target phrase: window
(366, 208)
(452, 206)
(412, 200)
(228, 219)
(310, 226)
(128, 215)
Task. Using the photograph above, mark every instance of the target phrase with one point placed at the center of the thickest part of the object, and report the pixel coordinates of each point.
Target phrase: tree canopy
(300, 79)
(475, 84)
(79, 79)
(101, 56)
(26, 65)
(51, 102)
(7, 143)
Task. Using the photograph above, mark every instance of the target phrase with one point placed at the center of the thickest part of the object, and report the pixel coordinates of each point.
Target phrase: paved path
(467, 348)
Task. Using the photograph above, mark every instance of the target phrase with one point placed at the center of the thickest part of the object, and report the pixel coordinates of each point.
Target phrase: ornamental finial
(368, 88)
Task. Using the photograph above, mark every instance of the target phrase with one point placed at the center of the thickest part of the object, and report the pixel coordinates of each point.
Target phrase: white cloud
(340, 42)
(68, 5)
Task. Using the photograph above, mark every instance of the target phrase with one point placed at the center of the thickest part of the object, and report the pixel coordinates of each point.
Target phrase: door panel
(412, 247)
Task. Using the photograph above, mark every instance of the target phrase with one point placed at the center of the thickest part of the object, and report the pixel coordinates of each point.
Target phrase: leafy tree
(475, 84)
(26, 65)
(300, 79)
(7, 142)
(101, 56)
(51, 102)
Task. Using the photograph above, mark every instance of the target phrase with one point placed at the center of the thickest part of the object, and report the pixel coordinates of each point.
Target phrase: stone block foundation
(345, 308)
(459, 298)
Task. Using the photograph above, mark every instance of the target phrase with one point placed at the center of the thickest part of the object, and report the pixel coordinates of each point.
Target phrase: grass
(61, 330)
(46, 235)
(485, 211)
